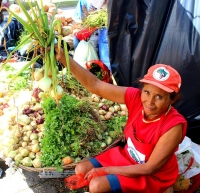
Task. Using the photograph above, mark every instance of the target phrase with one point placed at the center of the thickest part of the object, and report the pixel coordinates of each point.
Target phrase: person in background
(154, 129)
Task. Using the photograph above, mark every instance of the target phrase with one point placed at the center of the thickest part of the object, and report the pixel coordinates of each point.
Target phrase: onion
(12, 154)
(123, 113)
(123, 107)
(34, 141)
(45, 83)
(24, 152)
(35, 148)
(24, 144)
(38, 74)
(104, 107)
(111, 109)
(33, 124)
(18, 158)
(18, 133)
(28, 133)
(32, 155)
(102, 112)
(27, 162)
(58, 93)
(27, 128)
(37, 107)
(108, 140)
(103, 145)
(26, 138)
(40, 120)
(108, 116)
(24, 120)
(96, 99)
(33, 136)
(37, 163)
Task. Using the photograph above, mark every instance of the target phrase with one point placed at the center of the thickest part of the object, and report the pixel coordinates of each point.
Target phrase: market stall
(50, 122)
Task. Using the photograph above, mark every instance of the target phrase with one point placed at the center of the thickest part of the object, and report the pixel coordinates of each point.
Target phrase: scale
(56, 174)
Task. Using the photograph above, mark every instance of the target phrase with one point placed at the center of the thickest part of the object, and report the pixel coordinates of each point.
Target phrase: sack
(85, 52)
(77, 181)
(188, 156)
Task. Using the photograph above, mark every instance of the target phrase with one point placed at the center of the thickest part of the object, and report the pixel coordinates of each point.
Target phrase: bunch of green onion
(44, 36)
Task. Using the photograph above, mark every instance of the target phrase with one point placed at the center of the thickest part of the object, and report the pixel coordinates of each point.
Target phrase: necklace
(145, 121)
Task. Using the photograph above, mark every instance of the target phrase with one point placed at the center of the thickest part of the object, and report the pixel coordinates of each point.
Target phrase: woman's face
(155, 101)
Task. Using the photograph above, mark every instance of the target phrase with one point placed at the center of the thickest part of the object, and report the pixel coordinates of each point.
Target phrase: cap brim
(157, 84)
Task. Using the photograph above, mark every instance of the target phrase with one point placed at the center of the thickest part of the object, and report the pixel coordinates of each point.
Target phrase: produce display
(47, 119)
(36, 131)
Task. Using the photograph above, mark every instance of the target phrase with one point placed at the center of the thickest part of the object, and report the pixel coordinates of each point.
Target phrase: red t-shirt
(148, 135)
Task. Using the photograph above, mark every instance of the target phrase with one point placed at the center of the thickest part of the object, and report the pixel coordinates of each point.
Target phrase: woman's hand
(95, 172)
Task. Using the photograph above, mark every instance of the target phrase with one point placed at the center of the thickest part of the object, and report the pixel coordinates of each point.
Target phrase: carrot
(67, 160)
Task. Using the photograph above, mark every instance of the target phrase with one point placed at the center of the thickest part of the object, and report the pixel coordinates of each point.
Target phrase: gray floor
(36, 184)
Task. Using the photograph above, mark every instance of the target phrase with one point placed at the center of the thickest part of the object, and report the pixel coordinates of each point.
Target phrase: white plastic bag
(188, 154)
(97, 3)
(85, 52)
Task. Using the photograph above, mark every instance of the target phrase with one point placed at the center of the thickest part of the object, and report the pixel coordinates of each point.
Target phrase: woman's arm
(92, 83)
(162, 152)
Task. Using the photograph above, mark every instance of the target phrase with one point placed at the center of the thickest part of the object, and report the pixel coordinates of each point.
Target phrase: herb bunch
(70, 129)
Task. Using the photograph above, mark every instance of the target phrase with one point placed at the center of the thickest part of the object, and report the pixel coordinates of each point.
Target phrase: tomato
(67, 160)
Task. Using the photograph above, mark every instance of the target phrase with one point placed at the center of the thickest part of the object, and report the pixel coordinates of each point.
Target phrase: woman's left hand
(95, 172)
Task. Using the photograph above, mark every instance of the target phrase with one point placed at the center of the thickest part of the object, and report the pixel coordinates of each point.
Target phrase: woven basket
(69, 166)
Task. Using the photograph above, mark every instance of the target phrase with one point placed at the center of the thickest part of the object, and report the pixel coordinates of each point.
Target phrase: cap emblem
(161, 74)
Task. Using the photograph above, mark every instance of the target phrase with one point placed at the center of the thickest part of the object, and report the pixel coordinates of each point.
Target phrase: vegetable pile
(73, 129)
(39, 132)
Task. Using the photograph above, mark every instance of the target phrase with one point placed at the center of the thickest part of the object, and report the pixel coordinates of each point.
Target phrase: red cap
(164, 77)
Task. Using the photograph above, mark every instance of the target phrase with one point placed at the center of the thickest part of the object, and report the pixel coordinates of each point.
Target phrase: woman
(153, 132)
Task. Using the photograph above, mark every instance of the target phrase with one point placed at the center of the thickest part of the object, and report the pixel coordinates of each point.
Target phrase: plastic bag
(85, 52)
(84, 34)
(97, 3)
(98, 68)
(103, 47)
(188, 156)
